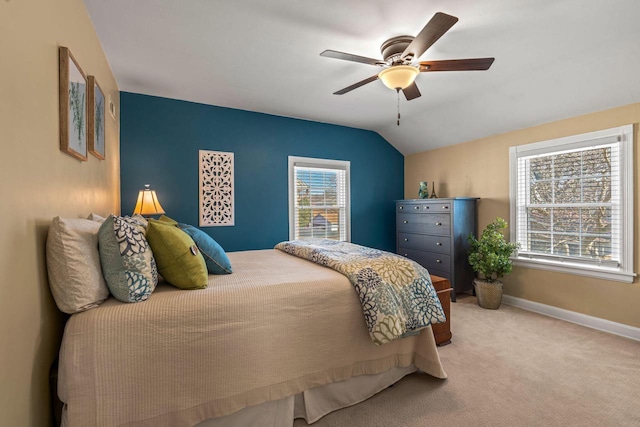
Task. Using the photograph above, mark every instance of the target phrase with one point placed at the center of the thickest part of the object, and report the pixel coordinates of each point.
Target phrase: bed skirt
(312, 404)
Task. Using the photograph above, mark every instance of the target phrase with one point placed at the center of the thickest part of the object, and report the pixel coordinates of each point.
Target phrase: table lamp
(148, 203)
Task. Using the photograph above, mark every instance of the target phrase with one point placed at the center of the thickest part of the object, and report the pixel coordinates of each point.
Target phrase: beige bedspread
(275, 327)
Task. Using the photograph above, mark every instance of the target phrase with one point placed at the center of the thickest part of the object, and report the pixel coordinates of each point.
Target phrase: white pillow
(73, 263)
(95, 217)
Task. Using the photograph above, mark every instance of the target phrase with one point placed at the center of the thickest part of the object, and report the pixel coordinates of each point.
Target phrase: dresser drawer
(425, 242)
(409, 208)
(439, 224)
(410, 240)
(423, 207)
(436, 207)
(429, 260)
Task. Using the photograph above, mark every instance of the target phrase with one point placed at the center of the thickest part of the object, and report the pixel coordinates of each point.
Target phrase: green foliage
(304, 199)
(490, 255)
(77, 103)
(99, 108)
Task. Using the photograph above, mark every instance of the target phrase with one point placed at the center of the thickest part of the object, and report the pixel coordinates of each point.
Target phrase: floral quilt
(396, 293)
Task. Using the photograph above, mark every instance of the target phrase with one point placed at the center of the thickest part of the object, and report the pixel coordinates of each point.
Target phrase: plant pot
(489, 294)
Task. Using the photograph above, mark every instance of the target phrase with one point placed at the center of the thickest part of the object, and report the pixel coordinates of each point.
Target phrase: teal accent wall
(159, 143)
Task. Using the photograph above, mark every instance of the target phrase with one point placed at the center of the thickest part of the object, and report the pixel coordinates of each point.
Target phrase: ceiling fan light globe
(398, 76)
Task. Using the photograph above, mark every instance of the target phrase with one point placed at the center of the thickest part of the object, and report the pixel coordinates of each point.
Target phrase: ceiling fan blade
(479, 64)
(356, 85)
(411, 92)
(349, 57)
(435, 28)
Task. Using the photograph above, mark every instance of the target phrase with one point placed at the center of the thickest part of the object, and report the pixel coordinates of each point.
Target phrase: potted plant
(491, 257)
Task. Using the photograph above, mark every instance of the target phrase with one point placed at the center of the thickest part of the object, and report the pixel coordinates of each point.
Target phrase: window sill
(581, 270)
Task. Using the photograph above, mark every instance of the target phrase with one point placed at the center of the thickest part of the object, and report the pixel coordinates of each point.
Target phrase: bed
(280, 338)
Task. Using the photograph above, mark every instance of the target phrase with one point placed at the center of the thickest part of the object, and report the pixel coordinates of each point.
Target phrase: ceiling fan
(399, 71)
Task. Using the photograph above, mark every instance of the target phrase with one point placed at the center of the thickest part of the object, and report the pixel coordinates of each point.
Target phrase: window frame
(312, 162)
(624, 271)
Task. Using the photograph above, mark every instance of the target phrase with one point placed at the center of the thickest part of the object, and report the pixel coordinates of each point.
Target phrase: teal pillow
(127, 262)
(179, 260)
(214, 256)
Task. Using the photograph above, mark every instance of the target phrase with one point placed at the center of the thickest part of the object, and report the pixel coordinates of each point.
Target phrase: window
(572, 204)
(319, 199)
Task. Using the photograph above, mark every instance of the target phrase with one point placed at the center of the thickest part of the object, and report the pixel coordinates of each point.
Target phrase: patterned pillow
(128, 264)
(138, 220)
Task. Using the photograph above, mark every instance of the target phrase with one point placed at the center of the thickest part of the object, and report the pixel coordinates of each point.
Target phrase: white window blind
(572, 204)
(318, 199)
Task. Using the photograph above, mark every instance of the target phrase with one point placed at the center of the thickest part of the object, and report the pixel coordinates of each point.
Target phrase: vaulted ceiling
(554, 59)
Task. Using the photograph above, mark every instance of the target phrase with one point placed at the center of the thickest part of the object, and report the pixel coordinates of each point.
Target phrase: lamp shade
(148, 203)
(398, 76)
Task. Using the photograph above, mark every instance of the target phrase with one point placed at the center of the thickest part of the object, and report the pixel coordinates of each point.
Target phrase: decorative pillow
(179, 260)
(128, 264)
(168, 220)
(95, 217)
(214, 256)
(73, 265)
(138, 220)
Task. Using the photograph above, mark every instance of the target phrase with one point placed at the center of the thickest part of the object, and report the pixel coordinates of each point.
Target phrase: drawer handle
(405, 222)
(438, 244)
(416, 207)
(426, 207)
(401, 207)
(438, 223)
(406, 240)
(445, 207)
(406, 255)
(439, 261)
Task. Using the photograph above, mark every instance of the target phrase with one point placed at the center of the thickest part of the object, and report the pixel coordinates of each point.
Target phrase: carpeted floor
(510, 367)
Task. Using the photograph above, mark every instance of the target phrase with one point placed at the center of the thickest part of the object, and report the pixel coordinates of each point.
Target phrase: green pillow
(166, 219)
(177, 256)
(217, 261)
(214, 256)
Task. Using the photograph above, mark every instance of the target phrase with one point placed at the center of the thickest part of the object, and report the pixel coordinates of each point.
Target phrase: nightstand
(442, 331)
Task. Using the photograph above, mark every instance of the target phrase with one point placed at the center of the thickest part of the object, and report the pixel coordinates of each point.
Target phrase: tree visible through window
(570, 206)
(572, 203)
(320, 199)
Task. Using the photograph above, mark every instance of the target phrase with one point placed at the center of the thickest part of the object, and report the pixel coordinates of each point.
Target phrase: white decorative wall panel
(216, 188)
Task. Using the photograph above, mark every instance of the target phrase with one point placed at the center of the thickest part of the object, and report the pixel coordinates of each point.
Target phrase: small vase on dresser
(434, 233)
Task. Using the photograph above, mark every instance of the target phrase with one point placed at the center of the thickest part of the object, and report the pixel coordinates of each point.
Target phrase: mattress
(277, 326)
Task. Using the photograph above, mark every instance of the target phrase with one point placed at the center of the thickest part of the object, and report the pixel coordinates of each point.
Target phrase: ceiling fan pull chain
(398, 93)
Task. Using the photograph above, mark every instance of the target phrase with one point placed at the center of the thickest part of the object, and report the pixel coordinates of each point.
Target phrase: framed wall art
(96, 118)
(73, 106)
(216, 189)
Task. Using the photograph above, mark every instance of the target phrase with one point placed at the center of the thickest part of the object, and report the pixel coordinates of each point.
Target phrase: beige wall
(481, 169)
(39, 182)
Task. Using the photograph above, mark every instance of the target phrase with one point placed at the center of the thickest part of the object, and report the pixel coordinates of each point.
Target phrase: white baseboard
(604, 325)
